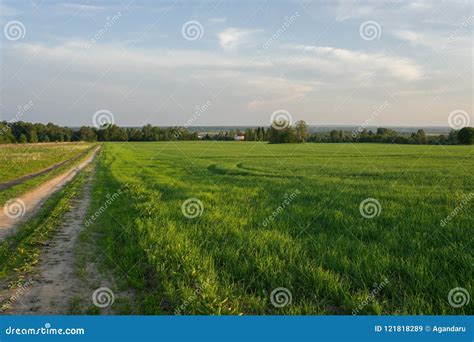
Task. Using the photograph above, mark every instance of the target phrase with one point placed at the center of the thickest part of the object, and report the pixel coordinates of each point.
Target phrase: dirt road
(24, 207)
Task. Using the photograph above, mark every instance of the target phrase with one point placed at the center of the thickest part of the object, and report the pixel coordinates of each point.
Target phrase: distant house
(239, 137)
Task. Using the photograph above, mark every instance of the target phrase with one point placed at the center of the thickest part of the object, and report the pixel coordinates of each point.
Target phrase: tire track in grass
(55, 286)
(32, 201)
(13, 182)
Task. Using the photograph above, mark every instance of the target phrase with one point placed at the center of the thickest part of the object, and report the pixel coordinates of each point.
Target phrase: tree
(301, 131)
(466, 136)
(23, 139)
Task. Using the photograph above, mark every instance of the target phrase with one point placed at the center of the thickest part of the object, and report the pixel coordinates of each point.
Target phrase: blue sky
(326, 62)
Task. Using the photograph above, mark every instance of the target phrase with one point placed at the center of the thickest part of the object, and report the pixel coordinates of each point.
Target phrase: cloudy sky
(236, 62)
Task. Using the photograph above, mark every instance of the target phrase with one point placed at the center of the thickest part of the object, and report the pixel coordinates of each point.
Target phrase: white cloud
(233, 37)
(357, 65)
(74, 8)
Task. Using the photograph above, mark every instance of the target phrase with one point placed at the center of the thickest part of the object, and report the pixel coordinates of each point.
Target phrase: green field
(20, 160)
(287, 216)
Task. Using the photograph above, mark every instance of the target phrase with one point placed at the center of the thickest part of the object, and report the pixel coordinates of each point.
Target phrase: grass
(287, 216)
(46, 156)
(20, 253)
(20, 160)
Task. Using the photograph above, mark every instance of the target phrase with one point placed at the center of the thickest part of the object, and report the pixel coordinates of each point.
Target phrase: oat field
(255, 228)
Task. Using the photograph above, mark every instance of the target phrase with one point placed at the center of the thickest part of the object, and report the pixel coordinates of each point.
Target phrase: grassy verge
(20, 253)
(29, 184)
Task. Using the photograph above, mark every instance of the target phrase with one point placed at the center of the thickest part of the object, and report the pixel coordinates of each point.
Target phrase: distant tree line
(25, 132)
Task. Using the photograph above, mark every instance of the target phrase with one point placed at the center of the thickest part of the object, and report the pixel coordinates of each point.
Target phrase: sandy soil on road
(30, 202)
(55, 283)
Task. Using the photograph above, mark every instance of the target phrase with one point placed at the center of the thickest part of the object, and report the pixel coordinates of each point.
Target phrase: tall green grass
(229, 259)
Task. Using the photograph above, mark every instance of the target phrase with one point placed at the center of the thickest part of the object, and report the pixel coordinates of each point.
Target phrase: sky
(212, 63)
